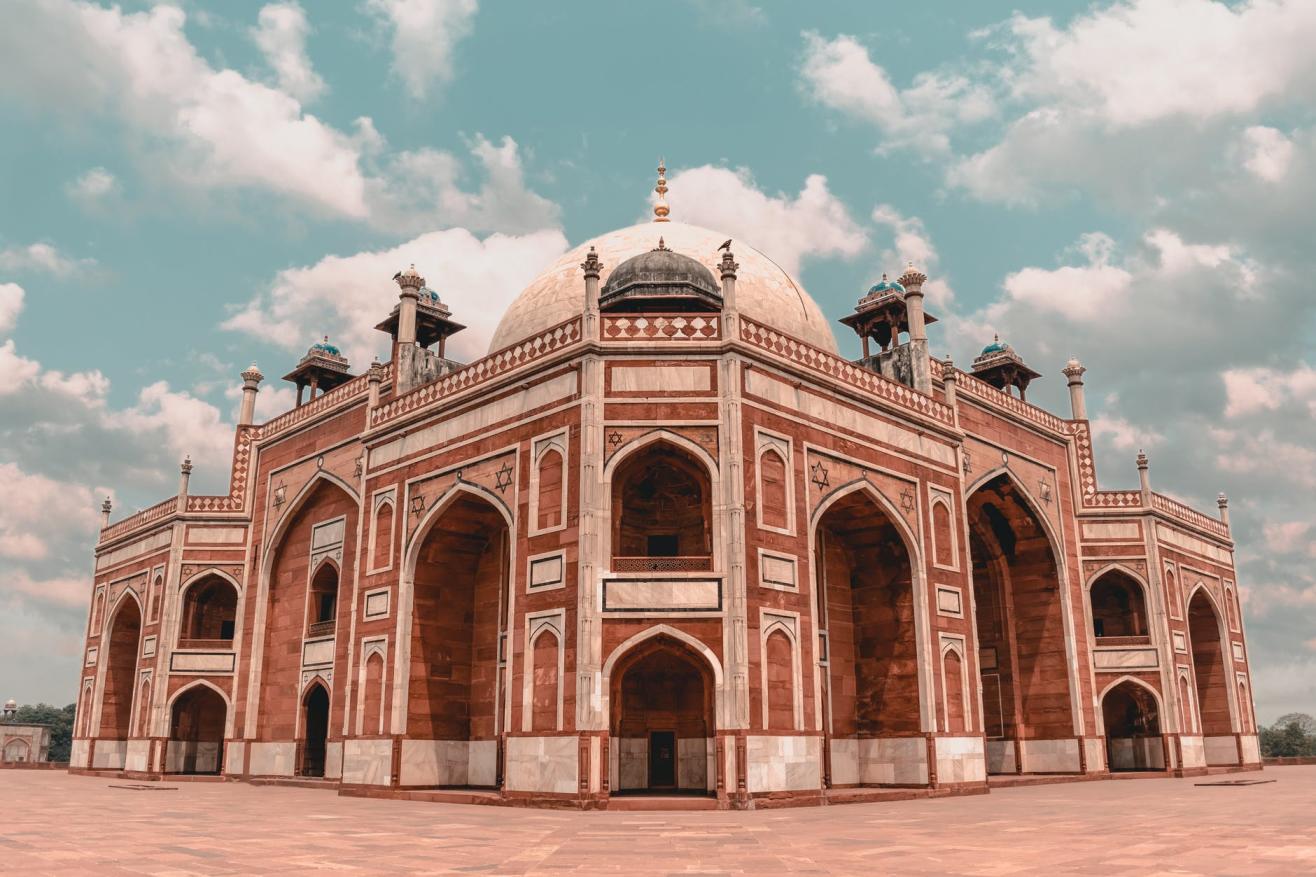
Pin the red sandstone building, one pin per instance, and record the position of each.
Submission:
(663, 537)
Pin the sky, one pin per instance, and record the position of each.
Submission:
(191, 187)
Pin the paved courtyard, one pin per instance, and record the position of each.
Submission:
(57, 824)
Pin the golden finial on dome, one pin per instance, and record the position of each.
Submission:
(660, 208)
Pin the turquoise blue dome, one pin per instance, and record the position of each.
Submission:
(996, 346)
(426, 291)
(325, 347)
(886, 286)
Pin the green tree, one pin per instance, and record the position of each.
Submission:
(1292, 736)
(59, 720)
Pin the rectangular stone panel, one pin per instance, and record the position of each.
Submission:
(649, 378)
(1180, 642)
(327, 535)
(542, 764)
(132, 549)
(201, 662)
(1171, 536)
(317, 652)
(148, 647)
(777, 571)
(949, 600)
(1123, 659)
(215, 535)
(546, 571)
(1114, 530)
(377, 603)
(671, 595)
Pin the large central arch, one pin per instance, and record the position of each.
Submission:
(1023, 633)
(662, 704)
(123, 644)
(459, 574)
(1207, 636)
(871, 617)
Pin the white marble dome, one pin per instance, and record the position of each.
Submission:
(764, 291)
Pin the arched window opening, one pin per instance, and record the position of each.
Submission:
(773, 498)
(549, 502)
(1019, 617)
(323, 609)
(373, 696)
(210, 610)
(780, 658)
(544, 688)
(1119, 611)
(458, 677)
(196, 732)
(121, 671)
(16, 751)
(381, 548)
(942, 535)
(1133, 729)
(662, 513)
(662, 724)
(157, 592)
(315, 730)
(1209, 668)
(1172, 593)
(866, 597)
(953, 678)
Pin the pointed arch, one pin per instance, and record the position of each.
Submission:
(1031, 502)
(435, 512)
(1217, 711)
(1134, 739)
(199, 683)
(658, 630)
(641, 442)
(120, 654)
(1142, 619)
(295, 506)
(907, 534)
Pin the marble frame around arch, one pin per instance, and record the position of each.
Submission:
(102, 662)
(400, 688)
(691, 642)
(918, 582)
(1057, 546)
(1226, 659)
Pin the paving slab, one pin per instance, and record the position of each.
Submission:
(54, 823)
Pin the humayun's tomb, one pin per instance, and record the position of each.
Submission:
(663, 538)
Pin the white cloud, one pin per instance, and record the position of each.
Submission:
(345, 296)
(1268, 153)
(813, 224)
(41, 257)
(1087, 292)
(1250, 390)
(281, 36)
(1123, 435)
(424, 35)
(93, 186)
(36, 510)
(839, 73)
(1139, 61)
(421, 189)
(11, 305)
(911, 243)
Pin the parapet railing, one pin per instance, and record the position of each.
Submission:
(1176, 509)
(661, 327)
(140, 519)
(980, 389)
(496, 363)
(834, 366)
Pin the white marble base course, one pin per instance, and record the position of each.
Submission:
(367, 762)
(1141, 753)
(1194, 751)
(961, 760)
(110, 755)
(1096, 754)
(692, 763)
(235, 760)
(542, 764)
(273, 759)
(898, 761)
(1050, 756)
(139, 756)
(78, 753)
(1251, 749)
(845, 761)
(630, 763)
(783, 764)
(1000, 757)
(333, 760)
(435, 763)
(1219, 750)
(179, 753)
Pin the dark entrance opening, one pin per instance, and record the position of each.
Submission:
(317, 731)
(662, 759)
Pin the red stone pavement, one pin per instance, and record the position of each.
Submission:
(58, 824)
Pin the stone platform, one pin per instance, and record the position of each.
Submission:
(61, 824)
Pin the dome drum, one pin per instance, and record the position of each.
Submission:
(660, 279)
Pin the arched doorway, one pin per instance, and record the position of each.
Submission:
(315, 730)
(1119, 610)
(662, 720)
(322, 603)
(661, 512)
(210, 610)
(1021, 630)
(867, 614)
(196, 732)
(120, 655)
(1133, 728)
(321, 525)
(458, 643)
(16, 751)
(1209, 672)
